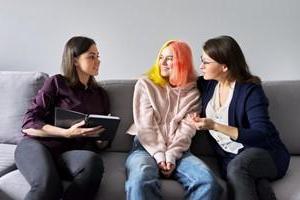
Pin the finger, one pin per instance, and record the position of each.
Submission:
(96, 128)
(101, 130)
(166, 173)
(162, 165)
(94, 132)
(195, 115)
(168, 166)
(79, 124)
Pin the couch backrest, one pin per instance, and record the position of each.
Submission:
(120, 94)
(284, 98)
(17, 90)
(284, 112)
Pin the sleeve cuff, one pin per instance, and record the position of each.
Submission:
(34, 125)
(170, 158)
(159, 157)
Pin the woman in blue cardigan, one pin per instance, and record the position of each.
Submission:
(235, 113)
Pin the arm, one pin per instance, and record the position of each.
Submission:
(185, 131)
(42, 108)
(74, 131)
(207, 123)
(259, 125)
(148, 131)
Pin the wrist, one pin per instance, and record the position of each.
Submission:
(215, 126)
(66, 133)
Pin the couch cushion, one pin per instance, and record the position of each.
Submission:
(288, 186)
(120, 94)
(13, 186)
(7, 162)
(17, 90)
(284, 110)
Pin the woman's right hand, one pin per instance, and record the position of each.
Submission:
(77, 131)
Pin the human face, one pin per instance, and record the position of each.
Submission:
(166, 62)
(87, 64)
(212, 69)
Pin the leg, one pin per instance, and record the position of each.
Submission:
(265, 190)
(142, 176)
(37, 166)
(196, 178)
(251, 165)
(84, 169)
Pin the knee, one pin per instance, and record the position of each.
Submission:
(236, 167)
(209, 181)
(143, 173)
(48, 185)
(95, 166)
(214, 186)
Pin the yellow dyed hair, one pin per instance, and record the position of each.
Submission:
(183, 69)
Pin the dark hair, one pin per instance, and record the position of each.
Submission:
(225, 50)
(73, 49)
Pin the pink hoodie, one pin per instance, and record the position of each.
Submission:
(159, 114)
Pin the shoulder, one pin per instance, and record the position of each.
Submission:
(53, 83)
(144, 82)
(100, 90)
(251, 92)
(248, 88)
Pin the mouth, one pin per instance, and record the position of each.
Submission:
(166, 68)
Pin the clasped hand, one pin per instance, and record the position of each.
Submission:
(78, 131)
(200, 123)
(166, 168)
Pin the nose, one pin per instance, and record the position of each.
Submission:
(201, 65)
(164, 61)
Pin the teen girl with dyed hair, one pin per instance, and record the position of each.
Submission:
(161, 101)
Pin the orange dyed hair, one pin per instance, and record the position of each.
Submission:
(183, 70)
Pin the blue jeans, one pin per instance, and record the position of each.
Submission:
(143, 176)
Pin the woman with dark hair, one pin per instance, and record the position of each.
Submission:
(235, 114)
(161, 101)
(49, 154)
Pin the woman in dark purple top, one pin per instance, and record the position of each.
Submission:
(49, 154)
(235, 113)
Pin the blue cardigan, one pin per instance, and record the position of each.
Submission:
(248, 111)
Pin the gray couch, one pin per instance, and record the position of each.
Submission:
(18, 88)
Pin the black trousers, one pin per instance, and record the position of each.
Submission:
(45, 173)
(249, 173)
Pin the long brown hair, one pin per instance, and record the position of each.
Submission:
(73, 49)
(225, 50)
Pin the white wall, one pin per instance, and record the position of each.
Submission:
(129, 33)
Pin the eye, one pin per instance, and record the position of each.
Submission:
(93, 57)
(170, 58)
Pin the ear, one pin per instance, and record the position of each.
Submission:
(76, 62)
(224, 68)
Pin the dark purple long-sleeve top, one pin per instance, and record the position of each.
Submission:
(57, 93)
